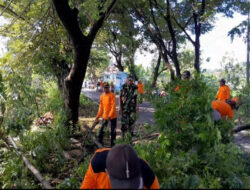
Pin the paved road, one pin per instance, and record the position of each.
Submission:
(146, 111)
(243, 140)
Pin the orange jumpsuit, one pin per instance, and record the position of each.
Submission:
(97, 178)
(223, 108)
(140, 88)
(107, 106)
(223, 93)
(177, 88)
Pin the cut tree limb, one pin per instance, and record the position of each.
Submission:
(241, 128)
(99, 145)
(147, 137)
(36, 173)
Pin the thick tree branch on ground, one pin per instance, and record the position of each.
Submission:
(146, 137)
(241, 128)
(35, 172)
(99, 145)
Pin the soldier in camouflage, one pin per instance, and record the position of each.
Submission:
(128, 105)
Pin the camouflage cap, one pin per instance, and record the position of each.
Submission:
(106, 85)
(130, 77)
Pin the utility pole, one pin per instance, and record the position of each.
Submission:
(248, 47)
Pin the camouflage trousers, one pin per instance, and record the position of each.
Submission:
(128, 119)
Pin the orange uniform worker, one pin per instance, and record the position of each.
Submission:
(140, 87)
(107, 110)
(119, 168)
(177, 88)
(224, 91)
(223, 108)
(101, 84)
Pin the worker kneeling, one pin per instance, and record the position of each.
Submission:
(224, 109)
(119, 168)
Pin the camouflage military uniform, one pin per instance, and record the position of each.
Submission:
(128, 101)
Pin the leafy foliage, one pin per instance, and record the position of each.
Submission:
(98, 62)
(244, 109)
(13, 174)
(192, 151)
(234, 73)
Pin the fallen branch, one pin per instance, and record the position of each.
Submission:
(147, 137)
(5, 144)
(99, 145)
(36, 173)
(241, 128)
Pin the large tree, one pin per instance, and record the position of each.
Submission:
(82, 45)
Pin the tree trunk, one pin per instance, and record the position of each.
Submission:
(73, 82)
(132, 69)
(165, 58)
(248, 47)
(197, 44)
(197, 24)
(118, 65)
(156, 71)
(174, 41)
(197, 56)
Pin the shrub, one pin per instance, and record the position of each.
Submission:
(244, 109)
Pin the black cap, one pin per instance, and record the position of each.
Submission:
(223, 80)
(123, 167)
(186, 74)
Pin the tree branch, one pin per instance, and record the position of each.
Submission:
(241, 128)
(164, 69)
(98, 24)
(69, 20)
(154, 20)
(184, 30)
(17, 17)
(9, 11)
(203, 8)
(35, 172)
